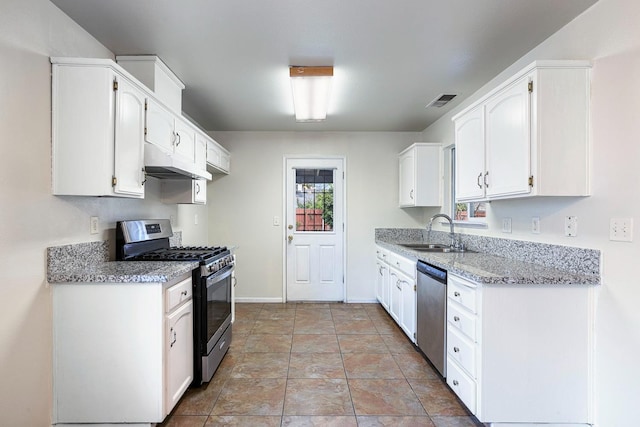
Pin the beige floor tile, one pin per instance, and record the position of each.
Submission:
(387, 327)
(384, 397)
(251, 396)
(314, 306)
(231, 359)
(456, 422)
(362, 344)
(271, 314)
(387, 421)
(304, 343)
(269, 326)
(244, 420)
(371, 365)
(314, 327)
(436, 398)
(313, 315)
(398, 343)
(184, 421)
(262, 365)
(200, 401)
(268, 343)
(243, 326)
(280, 306)
(358, 326)
(349, 314)
(413, 365)
(317, 397)
(238, 341)
(319, 421)
(316, 365)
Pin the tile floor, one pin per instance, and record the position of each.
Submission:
(320, 365)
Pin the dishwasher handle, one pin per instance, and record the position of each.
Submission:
(434, 272)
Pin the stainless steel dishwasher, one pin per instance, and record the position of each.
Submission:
(431, 333)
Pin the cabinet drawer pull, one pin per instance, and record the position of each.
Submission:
(411, 194)
(456, 350)
(478, 180)
(175, 337)
(486, 184)
(456, 319)
(184, 293)
(455, 382)
(456, 294)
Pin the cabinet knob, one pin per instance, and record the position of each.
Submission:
(456, 294)
(455, 382)
(183, 293)
(456, 350)
(456, 319)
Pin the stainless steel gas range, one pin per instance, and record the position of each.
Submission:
(148, 240)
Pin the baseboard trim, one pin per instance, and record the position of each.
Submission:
(258, 300)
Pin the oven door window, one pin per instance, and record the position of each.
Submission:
(218, 301)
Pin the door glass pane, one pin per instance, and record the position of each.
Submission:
(314, 199)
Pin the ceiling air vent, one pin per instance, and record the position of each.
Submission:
(441, 100)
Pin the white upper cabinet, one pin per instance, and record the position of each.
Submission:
(470, 169)
(97, 130)
(160, 127)
(528, 137)
(420, 175)
(185, 144)
(218, 157)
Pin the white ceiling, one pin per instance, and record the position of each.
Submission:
(391, 57)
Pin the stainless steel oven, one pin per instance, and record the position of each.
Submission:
(148, 240)
(213, 326)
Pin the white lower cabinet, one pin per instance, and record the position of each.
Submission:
(396, 288)
(122, 352)
(521, 354)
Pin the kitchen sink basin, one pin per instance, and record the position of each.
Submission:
(430, 247)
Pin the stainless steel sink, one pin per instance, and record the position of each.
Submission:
(430, 247)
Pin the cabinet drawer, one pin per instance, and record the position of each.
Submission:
(462, 320)
(462, 292)
(402, 264)
(462, 351)
(177, 294)
(462, 385)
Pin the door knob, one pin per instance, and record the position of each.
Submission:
(290, 227)
(290, 238)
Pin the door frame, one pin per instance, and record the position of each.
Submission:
(343, 159)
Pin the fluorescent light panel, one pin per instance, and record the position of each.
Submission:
(311, 87)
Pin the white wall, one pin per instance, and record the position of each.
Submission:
(609, 35)
(243, 204)
(31, 219)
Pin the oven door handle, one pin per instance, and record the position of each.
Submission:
(220, 275)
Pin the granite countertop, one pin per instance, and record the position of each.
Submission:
(122, 272)
(485, 268)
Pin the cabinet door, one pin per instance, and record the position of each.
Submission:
(469, 137)
(200, 191)
(408, 319)
(179, 354)
(129, 140)
(508, 141)
(160, 125)
(407, 179)
(382, 288)
(185, 142)
(395, 295)
(201, 152)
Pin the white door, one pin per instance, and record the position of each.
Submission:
(315, 229)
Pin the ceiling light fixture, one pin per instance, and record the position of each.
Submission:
(310, 87)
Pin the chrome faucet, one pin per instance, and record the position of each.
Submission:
(448, 218)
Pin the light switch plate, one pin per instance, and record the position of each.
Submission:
(571, 226)
(93, 225)
(506, 225)
(621, 229)
(535, 225)
(276, 221)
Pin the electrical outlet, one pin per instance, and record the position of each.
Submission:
(535, 225)
(93, 225)
(621, 229)
(195, 219)
(571, 226)
(506, 225)
(276, 221)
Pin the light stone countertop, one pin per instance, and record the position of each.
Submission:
(123, 272)
(485, 268)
